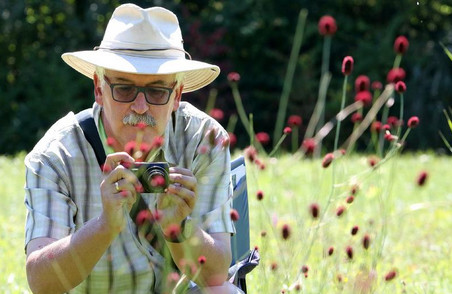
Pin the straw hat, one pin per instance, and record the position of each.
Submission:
(143, 41)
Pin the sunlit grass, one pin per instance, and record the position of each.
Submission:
(409, 225)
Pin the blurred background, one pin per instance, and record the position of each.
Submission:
(251, 37)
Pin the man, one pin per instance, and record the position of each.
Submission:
(79, 235)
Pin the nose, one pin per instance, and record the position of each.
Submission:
(140, 105)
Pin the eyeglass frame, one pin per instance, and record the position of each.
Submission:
(139, 90)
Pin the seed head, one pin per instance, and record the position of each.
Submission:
(362, 83)
(234, 215)
(217, 113)
(340, 210)
(349, 251)
(309, 145)
(356, 117)
(260, 195)
(287, 130)
(366, 241)
(233, 77)
(354, 230)
(202, 260)
(330, 251)
(395, 75)
(422, 178)
(365, 97)
(263, 138)
(350, 199)
(327, 159)
(294, 120)
(314, 209)
(285, 231)
(400, 87)
(390, 275)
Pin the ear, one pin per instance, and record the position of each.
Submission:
(178, 97)
(97, 89)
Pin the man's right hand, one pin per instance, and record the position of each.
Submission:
(118, 190)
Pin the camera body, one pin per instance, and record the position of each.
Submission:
(153, 176)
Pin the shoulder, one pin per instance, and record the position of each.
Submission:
(196, 119)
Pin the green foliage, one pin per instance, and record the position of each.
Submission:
(253, 38)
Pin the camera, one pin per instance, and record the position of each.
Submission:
(153, 176)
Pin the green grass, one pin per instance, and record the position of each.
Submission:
(409, 225)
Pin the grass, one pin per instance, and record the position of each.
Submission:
(408, 224)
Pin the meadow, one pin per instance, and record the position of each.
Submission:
(407, 225)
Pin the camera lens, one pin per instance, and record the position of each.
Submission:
(156, 176)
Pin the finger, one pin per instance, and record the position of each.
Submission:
(178, 191)
(119, 173)
(115, 159)
(183, 177)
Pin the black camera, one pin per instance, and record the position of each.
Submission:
(154, 176)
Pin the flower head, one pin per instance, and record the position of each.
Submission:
(350, 199)
(294, 120)
(263, 138)
(285, 231)
(172, 231)
(309, 145)
(366, 241)
(327, 159)
(365, 97)
(314, 209)
(356, 117)
(287, 130)
(413, 122)
(232, 139)
(401, 45)
(250, 153)
(234, 215)
(349, 251)
(340, 210)
(330, 250)
(354, 230)
(422, 178)
(260, 195)
(217, 113)
(304, 269)
(327, 25)
(347, 65)
(376, 85)
(400, 87)
(362, 83)
(395, 75)
(376, 126)
(202, 260)
(390, 275)
(233, 77)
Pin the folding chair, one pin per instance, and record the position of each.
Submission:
(243, 260)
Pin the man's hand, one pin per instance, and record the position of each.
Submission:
(118, 190)
(180, 197)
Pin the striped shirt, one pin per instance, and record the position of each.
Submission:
(62, 192)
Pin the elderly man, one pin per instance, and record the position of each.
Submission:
(79, 234)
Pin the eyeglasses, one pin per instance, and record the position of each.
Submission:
(126, 93)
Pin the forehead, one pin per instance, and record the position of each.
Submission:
(117, 76)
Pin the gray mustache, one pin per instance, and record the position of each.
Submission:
(133, 119)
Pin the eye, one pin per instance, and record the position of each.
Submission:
(124, 90)
(156, 94)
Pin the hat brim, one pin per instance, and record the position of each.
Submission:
(197, 74)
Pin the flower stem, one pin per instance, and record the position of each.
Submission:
(287, 86)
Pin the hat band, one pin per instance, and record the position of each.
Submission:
(140, 50)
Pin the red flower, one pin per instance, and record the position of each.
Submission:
(314, 209)
(285, 231)
(340, 210)
(393, 121)
(274, 266)
(250, 153)
(366, 241)
(401, 45)
(365, 97)
(233, 77)
(304, 269)
(349, 251)
(141, 125)
(157, 142)
(172, 231)
(330, 251)
(130, 147)
(143, 217)
(390, 275)
(350, 199)
(327, 160)
(354, 230)
(354, 190)
(376, 126)
(234, 215)
(373, 161)
(376, 85)
(232, 139)
(327, 25)
(413, 122)
(362, 83)
(309, 145)
(263, 138)
(260, 195)
(356, 117)
(395, 75)
(347, 65)
(294, 120)
(287, 130)
(202, 260)
(400, 87)
(389, 137)
(421, 178)
(111, 141)
(158, 181)
(217, 113)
